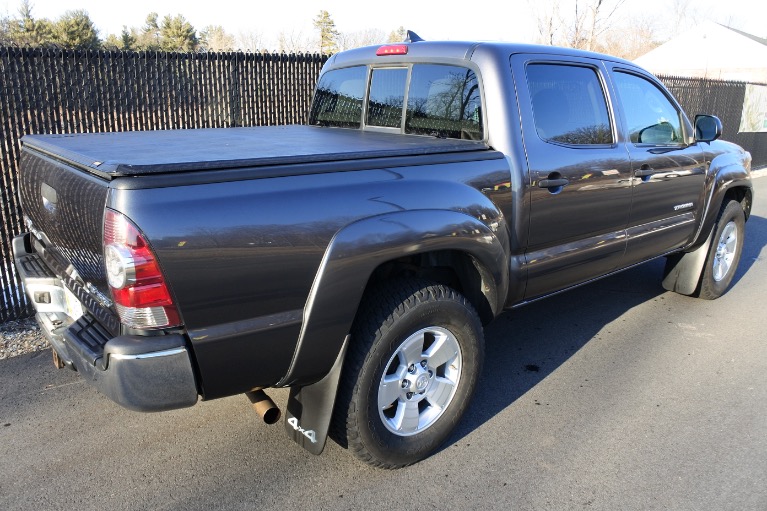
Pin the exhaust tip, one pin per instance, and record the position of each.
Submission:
(264, 406)
(272, 415)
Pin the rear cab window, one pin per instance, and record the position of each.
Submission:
(386, 97)
(338, 98)
(435, 100)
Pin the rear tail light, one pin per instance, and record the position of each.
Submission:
(141, 296)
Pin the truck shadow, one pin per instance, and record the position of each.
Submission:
(756, 240)
(525, 345)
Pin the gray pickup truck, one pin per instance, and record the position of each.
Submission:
(355, 260)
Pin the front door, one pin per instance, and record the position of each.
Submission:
(668, 171)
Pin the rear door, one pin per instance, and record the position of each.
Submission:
(579, 175)
(668, 170)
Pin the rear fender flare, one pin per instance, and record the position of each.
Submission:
(357, 250)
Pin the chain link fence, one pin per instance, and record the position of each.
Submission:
(70, 91)
(723, 99)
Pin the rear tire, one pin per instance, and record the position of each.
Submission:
(724, 254)
(413, 363)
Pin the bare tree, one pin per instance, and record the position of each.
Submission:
(592, 19)
(642, 37)
(576, 27)
(685, 14)
(215, 38)
(577, 23)
(549, 22)
(295, 42)
(5, 30)
(397, 36)
(251, 41)
(371, 36)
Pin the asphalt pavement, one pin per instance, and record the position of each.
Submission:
(614, 396)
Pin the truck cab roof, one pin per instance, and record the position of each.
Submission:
(454, 50)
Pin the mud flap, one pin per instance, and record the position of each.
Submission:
(682, 272)
(310, 408)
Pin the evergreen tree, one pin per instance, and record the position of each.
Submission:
(75, 30)
(112, 43)
(26, 30)
(328, 33)
(177, 34)
(149, 36)
(127, 40)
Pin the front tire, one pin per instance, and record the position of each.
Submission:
(413, 363)
(724, 254)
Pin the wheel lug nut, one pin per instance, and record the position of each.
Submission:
(431, 374)
(409, 395)
(405, 384)
(423, 364)
(411, 369)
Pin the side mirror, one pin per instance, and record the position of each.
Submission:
(707, 128)
(661, 133)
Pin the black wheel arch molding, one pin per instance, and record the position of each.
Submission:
(357, 250)
(728, 175)
(728, 179)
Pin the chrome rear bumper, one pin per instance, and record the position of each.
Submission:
(143, 373)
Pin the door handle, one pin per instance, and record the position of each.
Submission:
(644, 171)
(553, 183)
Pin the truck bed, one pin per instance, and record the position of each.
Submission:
(115, 155)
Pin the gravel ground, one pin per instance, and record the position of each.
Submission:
(20, 337)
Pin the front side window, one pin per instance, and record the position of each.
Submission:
(651, 117)
(569, 104)
(338, 99)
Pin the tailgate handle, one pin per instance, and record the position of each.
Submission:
(50, 197)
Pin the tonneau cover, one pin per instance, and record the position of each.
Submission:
(112, 155)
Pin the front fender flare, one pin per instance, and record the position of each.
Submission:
(357, 250)
(683, 270)
(729, 172)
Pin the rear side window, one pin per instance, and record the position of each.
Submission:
(569, 104)
(444, 101)
(338, 99)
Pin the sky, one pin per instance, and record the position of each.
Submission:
(506, 20)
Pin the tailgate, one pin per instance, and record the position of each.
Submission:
(64, 209)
